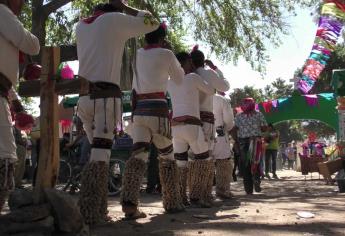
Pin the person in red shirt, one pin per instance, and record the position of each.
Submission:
(248, 135)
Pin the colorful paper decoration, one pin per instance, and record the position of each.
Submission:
(331, 23)
(65, 71)
(65, 125)
(267, 106)
(311, 100)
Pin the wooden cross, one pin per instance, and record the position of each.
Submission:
(294, 81)
(48, 89)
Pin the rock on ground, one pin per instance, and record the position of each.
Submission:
(20, 198)
(65, 210)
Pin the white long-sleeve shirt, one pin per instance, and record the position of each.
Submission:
(217, 81)
(154, 68)
(185, 96)
(100, 45)
(14, 38)
(223, 112)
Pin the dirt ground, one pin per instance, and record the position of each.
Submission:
(272, 212)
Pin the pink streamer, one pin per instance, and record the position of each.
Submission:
(312, 100)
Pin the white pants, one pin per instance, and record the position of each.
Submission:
(102, 112)
(147, 129)
(7, 142)
(222, 148)
(185, 136)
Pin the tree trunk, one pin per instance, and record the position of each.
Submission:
(127, 61)
(38, 28)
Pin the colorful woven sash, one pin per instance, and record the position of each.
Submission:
(151, 108)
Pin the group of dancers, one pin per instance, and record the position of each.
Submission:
(192, 138)
(186, 142)
(189, 152)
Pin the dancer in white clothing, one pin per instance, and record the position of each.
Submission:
(13, 39)
(224, 122)
(214, 77)
(100, 43)
(153, 67)
(186, 126)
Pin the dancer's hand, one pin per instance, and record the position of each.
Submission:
(210, 64)
(119, 4)
(123, 7)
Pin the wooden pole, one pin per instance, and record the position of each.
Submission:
(48, 163)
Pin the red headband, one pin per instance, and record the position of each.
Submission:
(196, 47)
(248, 105)
(164, 26)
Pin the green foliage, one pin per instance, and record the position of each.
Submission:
(321, 129)
(239, 28)
(60, 29)
(26, 15)
(28, 103)
(281, 89)
(59, 24)
(290, 131)
(239, 94)
(277, 89)
(84, 7)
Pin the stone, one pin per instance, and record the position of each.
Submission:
(27, 214)
(85, 231)
(65, 211)
(43, 226)
(20, 198)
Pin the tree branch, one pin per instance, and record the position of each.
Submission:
(37, 3)
(53, 5)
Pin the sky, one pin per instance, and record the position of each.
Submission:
(284, 60)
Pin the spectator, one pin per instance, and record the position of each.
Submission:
(248, 133)
(80, 143)
(272, 142)
(283, 154)
(21, 154)
(291, 155)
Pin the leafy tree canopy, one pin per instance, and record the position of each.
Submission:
(231, 28)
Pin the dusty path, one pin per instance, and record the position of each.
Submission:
(272, 212)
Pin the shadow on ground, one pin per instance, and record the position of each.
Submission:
(272, 212)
